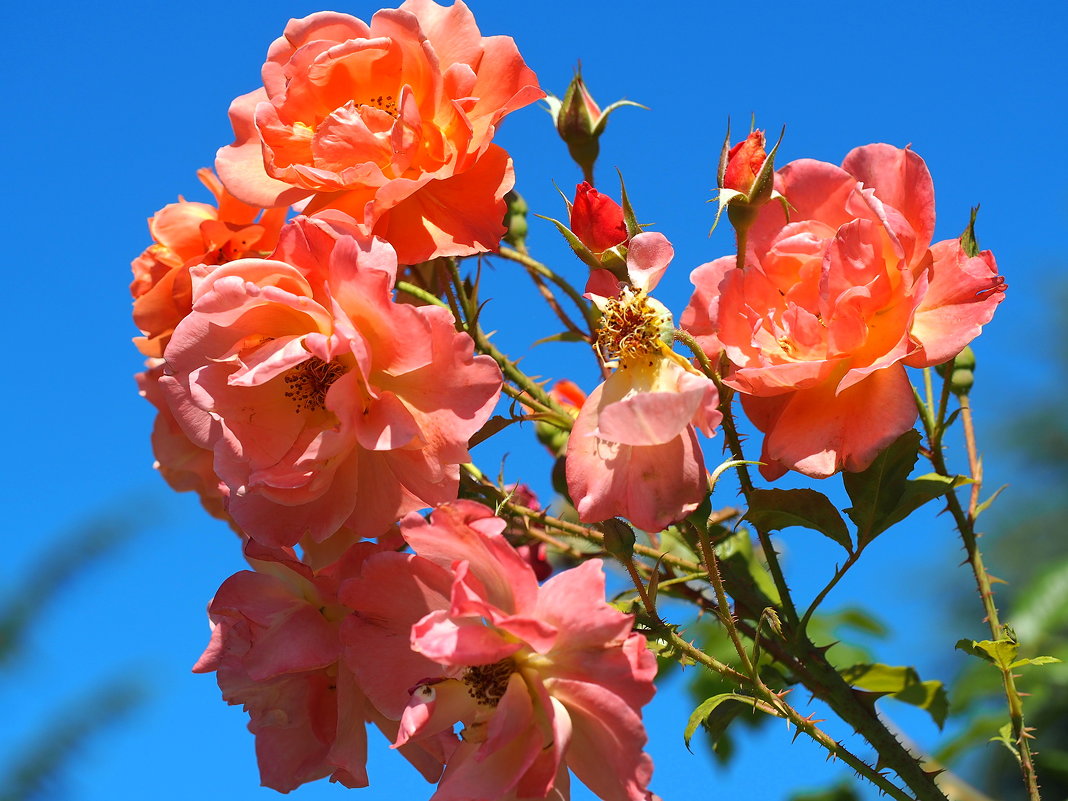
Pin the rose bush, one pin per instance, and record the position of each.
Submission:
(390, 122)
(834, 302)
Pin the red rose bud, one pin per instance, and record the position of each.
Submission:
(743, 164)
(597, 220)
(746, 179)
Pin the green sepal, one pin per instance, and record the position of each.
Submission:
(580, 249)
(776, 509)
(633, 228)
(602, 121)
(968, 242)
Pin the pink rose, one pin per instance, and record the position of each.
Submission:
(184, 466)
(325, 403)
(390, 122)
(275, 649)
(633, 450)
(833, 304)
(541, 679)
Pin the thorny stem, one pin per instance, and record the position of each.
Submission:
(841, 571)
(592, 535)
(550, 299)
(810, 664)
(527, 386)
(965, 521)
(734, 443)
(708, 556)
(780, 707)
(537, 267)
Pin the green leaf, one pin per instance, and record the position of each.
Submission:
(876, 491)
(563, 336)
(998, 652)
(711, 714)
(1004, 737)
(986, 504)
(883, 495)
(902, 683)
(1037, 660)
(776, 509)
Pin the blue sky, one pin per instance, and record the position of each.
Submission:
(112, 109)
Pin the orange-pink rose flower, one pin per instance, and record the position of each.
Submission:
(184, 234)
(325, 403)
(390, 122)
(835, 302)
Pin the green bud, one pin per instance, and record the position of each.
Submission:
(515, 219)
(618, 538)
(961, 382)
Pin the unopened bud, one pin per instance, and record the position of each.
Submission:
(959, 371)
(618, 538)
(597, 220)
(515, 220)
(746, 177)
(580, 122)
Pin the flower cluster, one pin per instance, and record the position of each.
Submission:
(314, 409)
(327, 411)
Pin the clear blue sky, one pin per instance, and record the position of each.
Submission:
(111, 109)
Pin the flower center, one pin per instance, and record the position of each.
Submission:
(631, 326)
(308, 382)
(384, 102)
(487, 683)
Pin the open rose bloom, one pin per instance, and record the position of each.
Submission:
(390, 122)
(832, 305)
(633, 451)
(325, 403)
(539, 679)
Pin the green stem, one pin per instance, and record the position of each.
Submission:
(848, 563)
(422, 294)
(965, 522)
(803, 724)
(536, 266)
(528, 386)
